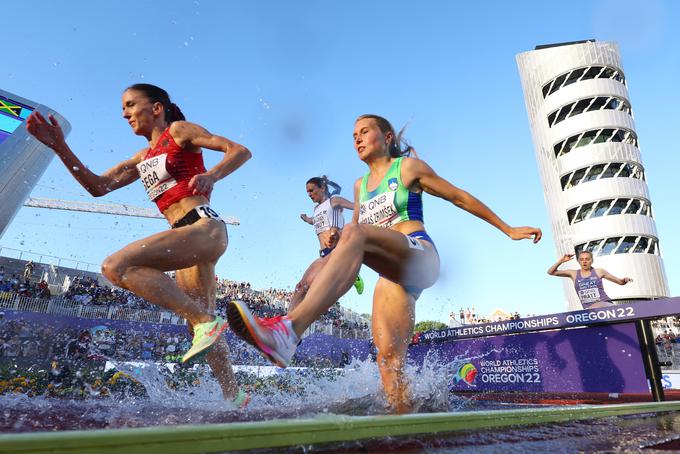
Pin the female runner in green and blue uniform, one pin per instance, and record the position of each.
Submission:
(388, 235)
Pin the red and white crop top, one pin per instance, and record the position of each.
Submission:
(167, 169)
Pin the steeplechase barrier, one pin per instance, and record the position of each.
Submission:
(290, 433)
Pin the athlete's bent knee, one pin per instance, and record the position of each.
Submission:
(302, 287)
(352, 232)
(390, 360)
(113, 269)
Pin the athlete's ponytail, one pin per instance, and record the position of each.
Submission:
(323, 182)
(174, 113)
(395, 146)
(157, 94)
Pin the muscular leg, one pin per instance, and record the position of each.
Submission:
(140, 266)
(392, 324)
(386, 251)
(390, 254)
(198, 282)
(306, 281)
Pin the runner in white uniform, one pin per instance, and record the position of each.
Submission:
(328, 221)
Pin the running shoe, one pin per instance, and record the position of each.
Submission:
(205, 336)
(274, 336)
(242, 399)
(359, 285)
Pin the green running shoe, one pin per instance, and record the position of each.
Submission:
(205, 335)
(359, 284)
(242, 399)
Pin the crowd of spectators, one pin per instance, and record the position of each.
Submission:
(24, 287)
(666, 338)
(470, 317)
(87, 291)
(667, 330)
(272, 302)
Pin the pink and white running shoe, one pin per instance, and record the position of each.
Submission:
(274, 336)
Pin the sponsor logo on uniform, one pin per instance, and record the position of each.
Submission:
(413, 243)
(393, 184)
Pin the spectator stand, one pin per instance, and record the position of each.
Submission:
(55, 271)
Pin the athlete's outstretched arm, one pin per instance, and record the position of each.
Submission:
(51, 134)
(553, 271)
(604, 274)
(341, 202)
(188, 135)
(306, 218)
(433, 184)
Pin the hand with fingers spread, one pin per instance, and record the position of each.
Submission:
(49, 133)
(201, 184)
(525, 233)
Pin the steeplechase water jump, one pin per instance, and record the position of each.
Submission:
(157, 350)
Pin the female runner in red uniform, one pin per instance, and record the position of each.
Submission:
(171, 168)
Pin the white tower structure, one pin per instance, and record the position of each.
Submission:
(590, 163)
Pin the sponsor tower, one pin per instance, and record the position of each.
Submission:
(590, 163)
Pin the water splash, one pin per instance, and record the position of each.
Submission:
(190, 395)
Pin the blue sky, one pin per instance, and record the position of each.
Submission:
(287, 79)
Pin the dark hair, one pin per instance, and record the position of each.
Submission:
(323, 182)
(157, 94)
(385, 126)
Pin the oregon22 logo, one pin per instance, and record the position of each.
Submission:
(467, 373)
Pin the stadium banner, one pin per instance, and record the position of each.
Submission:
(670, 379)
(592, 359)
(613, 314)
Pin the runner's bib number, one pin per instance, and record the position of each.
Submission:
(155, 177)
(321, 223)
(379, 211)
(589, 295)
(205, 211)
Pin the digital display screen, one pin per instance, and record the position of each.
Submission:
(12, 114)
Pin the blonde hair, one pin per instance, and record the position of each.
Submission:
(395, 147)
